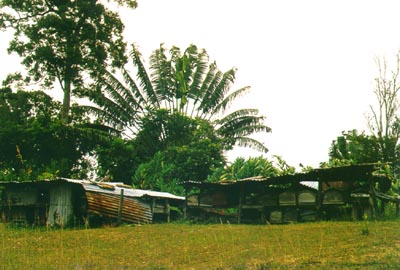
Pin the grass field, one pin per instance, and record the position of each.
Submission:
(327, 245)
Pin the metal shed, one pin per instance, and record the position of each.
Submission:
(66, 202)
(295, 197)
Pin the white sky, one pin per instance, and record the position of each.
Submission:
(310, 63)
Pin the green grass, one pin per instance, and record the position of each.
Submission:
(327, 245)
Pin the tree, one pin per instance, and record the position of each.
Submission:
(183, 82)
(33, 141)
(384, 122)
(175, 148)
(117, 160)
(169, 148)
(356, 148)
(64, 40)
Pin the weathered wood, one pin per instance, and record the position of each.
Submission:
(167, 210)
(276, 216)
(60, 206)
(287, 198)
(319, 203)
(121, 201)
(372, 199)
(185, 205)
(240, 206)
(307, 197)
(308, 215)
(290, 215)
(267, 200)
(262, 217)
(332, 197)
(153, 205)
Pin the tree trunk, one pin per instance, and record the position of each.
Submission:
(66, 100)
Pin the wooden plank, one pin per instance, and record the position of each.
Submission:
(121, 201)
(332, 197)
(307, 197)
(287, 198)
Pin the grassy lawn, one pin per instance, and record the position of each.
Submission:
(327, 245)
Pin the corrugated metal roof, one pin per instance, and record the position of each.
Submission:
(344, 173)
(108, 187)
(310, 184)
(116, 187)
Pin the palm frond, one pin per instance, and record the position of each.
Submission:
(134, 95)
(161, 75)
(199, 73)
(236, 114)
(242, 122)
(207, 98)
(246, 130)
(118, 92)
(126, 114)
(251, 143)
(218, 93)
(222, 106)
(178, 82)
(143, 77)
(105, 117)
(100, 131)
(212, 70)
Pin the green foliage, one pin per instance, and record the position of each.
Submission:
(116, 160)
(283, 167)
(182, 82)
(64, 40)
(242, 168)
(172, 113)
(175, 148)
(156, 174)
(355, 148)
(34, 143)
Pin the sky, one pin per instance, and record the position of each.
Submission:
(310, 63)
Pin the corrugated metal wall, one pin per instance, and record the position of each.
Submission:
(133, 210)
(60, 209)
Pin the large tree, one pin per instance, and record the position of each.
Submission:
(33, 141)
(64, 40)
(183, 82)
(383, 121)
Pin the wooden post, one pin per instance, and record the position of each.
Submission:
(354, 212)
(319, 200)
(263, 218)
(240, 206)
(185, 206)
(372, 198)
(153, 206)
(167, 210)
(121, 200)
